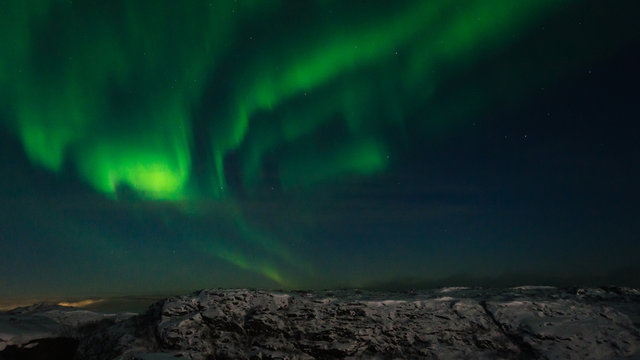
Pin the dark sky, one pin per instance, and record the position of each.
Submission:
(298, 144)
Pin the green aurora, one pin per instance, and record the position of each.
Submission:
(187, 104)
(112, 88)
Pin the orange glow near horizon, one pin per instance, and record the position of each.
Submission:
(81, 303)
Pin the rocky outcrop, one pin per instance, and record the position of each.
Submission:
(517, 323)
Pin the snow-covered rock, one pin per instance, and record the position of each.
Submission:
(524, 322)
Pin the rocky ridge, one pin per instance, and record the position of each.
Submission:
(515, 323)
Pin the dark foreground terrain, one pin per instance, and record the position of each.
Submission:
(449, 323)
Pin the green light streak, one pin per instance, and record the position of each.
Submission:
(360, 157)
(235, 256)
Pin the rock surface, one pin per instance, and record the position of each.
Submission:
(516, 323)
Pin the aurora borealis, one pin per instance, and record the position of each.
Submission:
(153, 147)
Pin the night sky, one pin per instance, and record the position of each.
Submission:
(150, 147)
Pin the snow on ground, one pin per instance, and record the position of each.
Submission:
(523, 322)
